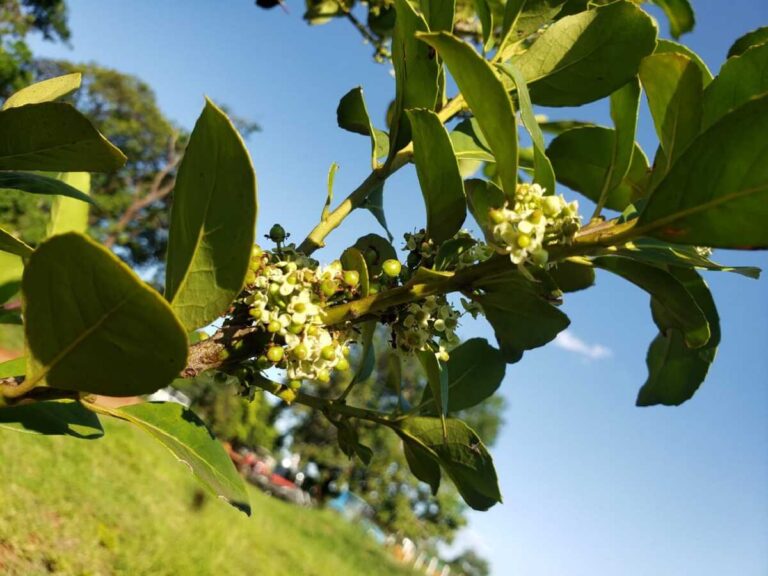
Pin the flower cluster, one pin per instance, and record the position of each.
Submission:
(534, 220)
(286, 300)
(427, 325)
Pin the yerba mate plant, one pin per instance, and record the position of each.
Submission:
(286, 322)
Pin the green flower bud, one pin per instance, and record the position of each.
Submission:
(328, 353)
(323, 376)
(342, 364)
(275, 354)
(540, 257)
(301, 352)
(351, 278)
(496, 215)
(262, 363)
(296, 328)
(294, 384)
(392, 267)
(274, 326)
(277, 233)
(329, 288)
(523, 240)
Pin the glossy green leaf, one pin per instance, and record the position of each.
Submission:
(329, 196)
(422, 464)
(543, 174)
(675, 371)
(572, 275)
(39, 184)
(665, 46)
(519, 313)
(52, 417)
(680, 16)
(469, 143)
(661, 253)
(416, 72)
(625, 104)
(740, 79)
(92, 325)
(438, 14)
(12, 245)
(13, 367)
(188, 439)
(213, 221)
(487, 23)
(717, 192)
(68, 214)
(54, 136)
(524, 17)
(11, 269)
(44, 91)
(461, 454)
(487, 98)
(681, 310)
(753, 38)
(439, 177)
(582, 159)
(672, 83)
(374, 203)
(482, 195)
(587, 56)
(475, 372)
(352, 115)
(437, 381)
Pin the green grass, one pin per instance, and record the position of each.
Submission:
(123, 505)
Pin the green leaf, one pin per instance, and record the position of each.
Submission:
(475, 371)
(680, 16)
(188, 439)
(329, 196)
(12, 245)
(367, 353)
(376, 251)
(572, 275)
(487, 98)
(625, 104)
(717, 192)
(524, 17)
(482, 196)
(39, 184)
(14, 367)
(469, 143)
(44, 91)
(416, 72)
(52, 417)
(587, 56)
(92, 325)
(349, 441)
(422, 464)
(352, 115)
(675, 371)
(213, 221)
(740, 79)
(665, 46)
(68, 214)
(521, 317)
(374, 203)
(661, 253)
(353, 259)
(437, 380)
(485, 16)
(753, 38)
(673, 85)
(54, 136)
(438, 14)
(582, 159)
(439, 176)
(543, 174)
(450, 252)
(681, 311)
(11, 269)
(461, 454)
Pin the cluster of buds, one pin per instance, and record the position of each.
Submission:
(286, 300)
(421, 249)
(427, 325)
(522, 229)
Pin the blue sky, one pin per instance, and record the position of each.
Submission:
(592, 485)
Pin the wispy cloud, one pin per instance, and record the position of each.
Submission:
(567, 341)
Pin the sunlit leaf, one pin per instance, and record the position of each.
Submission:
(44, 91)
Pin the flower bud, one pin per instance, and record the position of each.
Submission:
(392, 267)
(275, 354)
(351, 278)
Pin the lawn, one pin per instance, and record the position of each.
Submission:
(123, 505)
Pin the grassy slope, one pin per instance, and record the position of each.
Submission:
(124, 505)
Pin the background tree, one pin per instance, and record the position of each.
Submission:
(403, 505)
(18, 19)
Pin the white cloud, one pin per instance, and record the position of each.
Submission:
(567, 341)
